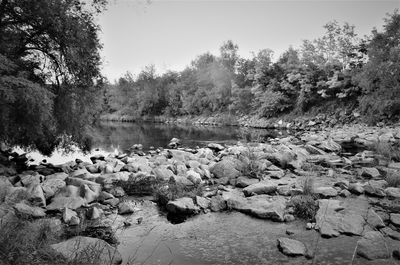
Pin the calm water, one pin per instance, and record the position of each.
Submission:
(116, 137)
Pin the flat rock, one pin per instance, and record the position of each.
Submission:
(260, 206)
(26, 211)
(372, 246)
(243, 182)
(262, 187)
(326, 192)
(370, 172)
(375, 188)
(391, 233)
(291, 247)
(392, 192)
(73, 247)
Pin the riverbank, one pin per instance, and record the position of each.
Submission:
(315, 120)
(331, 185)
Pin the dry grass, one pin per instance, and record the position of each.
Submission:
(250, 165)
(305, 205)
(25, 242)
(388, 150)
(308, 186)
(393, 179)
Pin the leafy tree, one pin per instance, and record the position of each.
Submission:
(332, 49)
(49, 70)
(380, 77)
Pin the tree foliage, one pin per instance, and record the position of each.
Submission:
(49, 69)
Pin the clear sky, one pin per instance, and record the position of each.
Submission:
(169, 34)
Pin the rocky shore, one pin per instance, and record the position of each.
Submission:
(342, 181)
(294, 122)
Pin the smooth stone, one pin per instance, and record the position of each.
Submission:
(263, 187)
(291, 247)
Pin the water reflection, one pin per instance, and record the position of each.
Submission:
(111, 135)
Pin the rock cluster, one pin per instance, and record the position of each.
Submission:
(353, 189)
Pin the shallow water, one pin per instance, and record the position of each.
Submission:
(225, 238)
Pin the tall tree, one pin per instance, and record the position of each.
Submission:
(49, 69)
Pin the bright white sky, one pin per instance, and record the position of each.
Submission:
(169, 34)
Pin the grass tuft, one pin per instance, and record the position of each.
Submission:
(305, 205)
(393, 179)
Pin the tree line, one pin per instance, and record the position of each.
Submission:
(338, 66)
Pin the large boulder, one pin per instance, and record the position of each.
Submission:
(77, 248)
(69, 197)
(372, 246)
(183, 206)
(375, 188)
(291, 247)
(193, 176)
(163, 172)
(262, 187)
(331, 220)
(225, 168)
(260, 206)
(392, 192)
(326, 192)
(51, 186)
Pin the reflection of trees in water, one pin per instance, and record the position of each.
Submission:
(109, 135)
